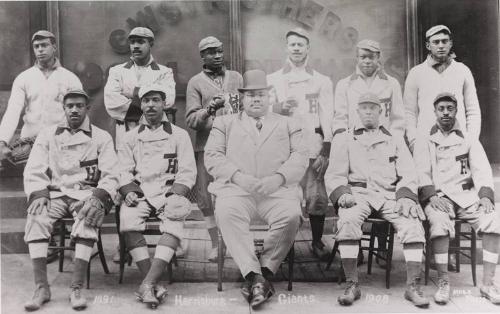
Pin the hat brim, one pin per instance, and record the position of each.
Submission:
(296, 34)
(140, 36)
(370, 102)
(152, 91)
(443, 98)
(254, 87)
(211, 46)
(68, 95)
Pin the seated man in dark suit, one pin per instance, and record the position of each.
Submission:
(256, 163)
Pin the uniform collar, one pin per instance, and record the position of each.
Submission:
(56, 64)
(85, 127)
(456, 129)
(290, 66)
(361, 129)
(434, 63)
(167, 126)
(211, 73)
(152, 63)
(379, 72)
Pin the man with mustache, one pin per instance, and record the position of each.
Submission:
(257, 161)
(372, 171)
(456, 181)
(438, 73)
(71, 171)
(157, 170)
(212, 92)
(39, 91)
(121, 91)
(307, 95)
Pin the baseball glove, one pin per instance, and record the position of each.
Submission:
(93, 212)
(177, 208)
(21, 149)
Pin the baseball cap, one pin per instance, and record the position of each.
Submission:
(209, 42)
(76, 92)
(436, 29)
(299, 32)
(151, 88)
(42, 34)
(445, 96)
(369, 98)
(141, 32)
(369, 44)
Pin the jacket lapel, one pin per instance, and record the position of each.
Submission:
(244, 123)
(268, 126)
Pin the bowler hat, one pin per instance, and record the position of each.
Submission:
(254, 80)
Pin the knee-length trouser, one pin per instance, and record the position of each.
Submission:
(442, 225)
(409, 229)
(39, 227)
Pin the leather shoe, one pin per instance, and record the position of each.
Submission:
(261, 292)
(40, 297)
(246, 290)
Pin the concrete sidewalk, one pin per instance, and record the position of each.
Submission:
(107, 296)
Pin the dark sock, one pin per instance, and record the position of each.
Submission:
(350, 269)
(413, 271)
(214, 236)
(440, 245)
(317, 224)
(267, 273)
(144, 266)
(157, 267)
(40, 271)
(79, 273)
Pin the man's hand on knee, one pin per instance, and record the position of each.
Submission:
(440, 203)
(93, 212)
(346, 200)
(131, 199)
(409, 208)
(486, 205)
(38, 206)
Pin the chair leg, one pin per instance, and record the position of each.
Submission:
(458, 232)
(170, 278)
(220, 260)
(389, 257)
(371, 248)
(332, 256)
(100, 250)
(428, 252)
(62, 242)
(88, 274)
(291, 258)
(473, 255)
(123, 253)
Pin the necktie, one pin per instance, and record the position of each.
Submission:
(258, 124)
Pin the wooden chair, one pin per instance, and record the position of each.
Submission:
(384, 229)
(455, 248)
(60, 230)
